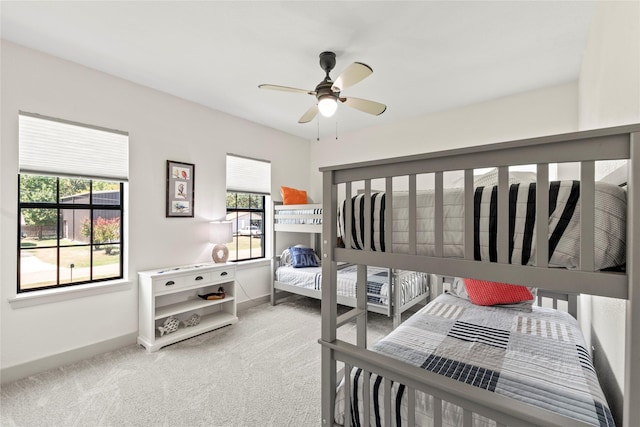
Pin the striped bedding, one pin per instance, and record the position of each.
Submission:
(537, 357)
(303, 219)
(564, 223)
(412, 285)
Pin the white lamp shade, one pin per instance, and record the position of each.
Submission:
(327, 105)
(220, 232)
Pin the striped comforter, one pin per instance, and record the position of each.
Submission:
(412, 284)
(537, 357)
(564, 223)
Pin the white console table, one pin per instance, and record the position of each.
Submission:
(173, 291)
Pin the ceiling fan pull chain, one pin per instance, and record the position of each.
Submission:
(336, 129)
(318, 121)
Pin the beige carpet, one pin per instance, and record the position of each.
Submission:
(262, 371)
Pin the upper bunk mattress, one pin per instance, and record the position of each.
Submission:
(299, 214)
(538, 357)
(564, 223)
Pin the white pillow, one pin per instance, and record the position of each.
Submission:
(458, 289)
(491, 178)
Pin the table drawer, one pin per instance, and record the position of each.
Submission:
(171, 284)
(226, 275)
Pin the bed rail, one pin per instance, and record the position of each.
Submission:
(503, 410)
(298, 218)
(583, 147)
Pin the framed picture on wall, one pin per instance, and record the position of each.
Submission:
(180, 186)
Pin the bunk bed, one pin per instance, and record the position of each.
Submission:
(393, 382)
(389, 291)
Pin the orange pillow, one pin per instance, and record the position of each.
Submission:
(292, 196)
(482, 292)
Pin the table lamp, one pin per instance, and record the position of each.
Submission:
(220, 232)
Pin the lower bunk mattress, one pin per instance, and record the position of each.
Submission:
(537, 357)
(412, 284)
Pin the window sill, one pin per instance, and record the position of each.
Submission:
(253, 263)
(48, 296)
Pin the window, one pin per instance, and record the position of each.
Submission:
(248, 188)
(70, 231)
(246, 213)
(70, 200)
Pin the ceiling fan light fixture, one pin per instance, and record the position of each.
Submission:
(327, 105)
(328, 92)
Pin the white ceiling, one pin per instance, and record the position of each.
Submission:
(426, 56)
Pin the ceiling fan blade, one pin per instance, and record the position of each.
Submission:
(352, 75)
(287, 89)
(309, 115)
(365, 105)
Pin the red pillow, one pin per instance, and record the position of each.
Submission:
(482, 292)
(293, 196)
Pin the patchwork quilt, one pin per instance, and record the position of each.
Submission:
(536, 357)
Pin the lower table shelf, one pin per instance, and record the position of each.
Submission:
(207, 323)
(189, 305)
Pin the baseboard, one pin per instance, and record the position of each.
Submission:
(245, 305)
(24, 370)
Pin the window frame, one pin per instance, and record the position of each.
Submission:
(60, 206)
(234, 219)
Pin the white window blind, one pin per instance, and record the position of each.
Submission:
(246, 175)
(62, 148)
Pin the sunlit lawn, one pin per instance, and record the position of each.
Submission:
(77, 255)
(244, 244)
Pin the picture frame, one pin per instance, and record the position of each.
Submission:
(180, 189)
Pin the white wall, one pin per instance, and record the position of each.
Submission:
(609, 95)
(161, 127)
(540, 112)
(610, 76)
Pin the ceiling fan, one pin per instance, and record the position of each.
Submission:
(328, 91)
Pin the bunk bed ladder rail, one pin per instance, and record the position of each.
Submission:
(631, 409)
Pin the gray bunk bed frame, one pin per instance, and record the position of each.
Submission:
(394, 309)
(585, 147)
